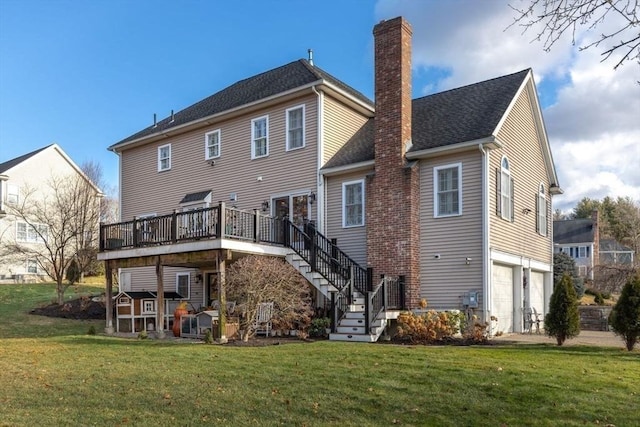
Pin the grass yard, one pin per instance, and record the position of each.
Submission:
(53, 374)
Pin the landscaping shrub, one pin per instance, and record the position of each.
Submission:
(428, 327)
(578, 285)
(319, 326)
(563, 319)
(625, 316)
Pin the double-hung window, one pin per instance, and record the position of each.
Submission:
(447, 190)
(32, 266)
(13, 195)
(353, 203)
(164, 157)
(212, 145)
(37, 233)
(260, 137)
(183, 286)
(541, 206)
(295, 128)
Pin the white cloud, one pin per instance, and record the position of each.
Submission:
(594, 123)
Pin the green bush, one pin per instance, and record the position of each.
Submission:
(598, 299)
(625, 316)
(208, 337)
(319, 327)
(578, 285)
(563, 319)
(92, 330)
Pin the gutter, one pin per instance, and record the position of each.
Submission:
(354, 167)
(489, 142)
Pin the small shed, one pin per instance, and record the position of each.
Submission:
(136, 311)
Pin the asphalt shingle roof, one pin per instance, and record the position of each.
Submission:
(458, 115)
(13, 162)
(573, 231)
(264, 85)
(195, 197)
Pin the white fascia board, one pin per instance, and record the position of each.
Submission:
(355, 167)
(489, 142)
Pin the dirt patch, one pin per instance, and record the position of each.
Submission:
(81, 308)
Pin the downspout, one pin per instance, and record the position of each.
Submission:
(486, 259)
(320, 187)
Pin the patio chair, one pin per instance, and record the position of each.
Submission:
(528, 320)
(536, 318)
(263, 318)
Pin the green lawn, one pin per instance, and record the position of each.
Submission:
(53, 374)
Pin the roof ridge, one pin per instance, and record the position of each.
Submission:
(454, 89)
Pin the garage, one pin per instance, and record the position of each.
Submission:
(536, 292)
(502, 295)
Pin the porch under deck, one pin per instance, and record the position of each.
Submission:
(206, 239)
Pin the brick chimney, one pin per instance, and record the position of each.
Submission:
(393, 190)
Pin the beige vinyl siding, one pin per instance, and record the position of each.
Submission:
(444, 280)
(145, 190)
(144, 279)
(353, 240)
(340, 124)
(522, 146)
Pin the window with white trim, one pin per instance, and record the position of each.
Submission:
(164, 157)
(148, 306)
(582, 270)
(505, 190)
(447, 190)
(353, 203)
(260, 137)
(183, 285)
(541, 207)
(212, 144)
(295, 128)
(36, 233)
(13, 194)
(582, 252)
(32, 266)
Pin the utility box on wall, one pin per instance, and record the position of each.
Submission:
(470, 299)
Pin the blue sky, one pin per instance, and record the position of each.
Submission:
(88, 74)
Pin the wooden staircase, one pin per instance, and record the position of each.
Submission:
(351, 324)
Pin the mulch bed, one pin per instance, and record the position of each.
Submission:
(81, 309)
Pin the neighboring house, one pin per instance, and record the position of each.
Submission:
(580, 239)
(448, 195)
(23, 179)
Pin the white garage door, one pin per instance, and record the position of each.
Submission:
(502, 295)
(536, 292)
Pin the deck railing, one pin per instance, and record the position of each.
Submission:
(322, 254)
(198, 224)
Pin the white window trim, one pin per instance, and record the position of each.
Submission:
(542, 211)
(160, 168)
(344, 206)
(435, 189)
(188, 284)
(38, 237)
(34, 262)
(253, 138)
(13, 194)
(124, 301)
(144, 303)
(288, 145)
(505, 208)
(206, 144)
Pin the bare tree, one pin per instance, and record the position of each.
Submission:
(62, 219)
(253, 280)
(553, 18)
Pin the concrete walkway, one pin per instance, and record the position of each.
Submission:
(599, 338)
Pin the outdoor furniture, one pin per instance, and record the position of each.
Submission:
(531, 318)
(263, 318)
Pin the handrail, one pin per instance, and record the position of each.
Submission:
(325, 257)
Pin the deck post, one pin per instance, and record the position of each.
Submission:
(174, 226)
(108, 303)
(134, 228)
(222, 297)
(160, 298)
(222, 219)
(256, 225)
